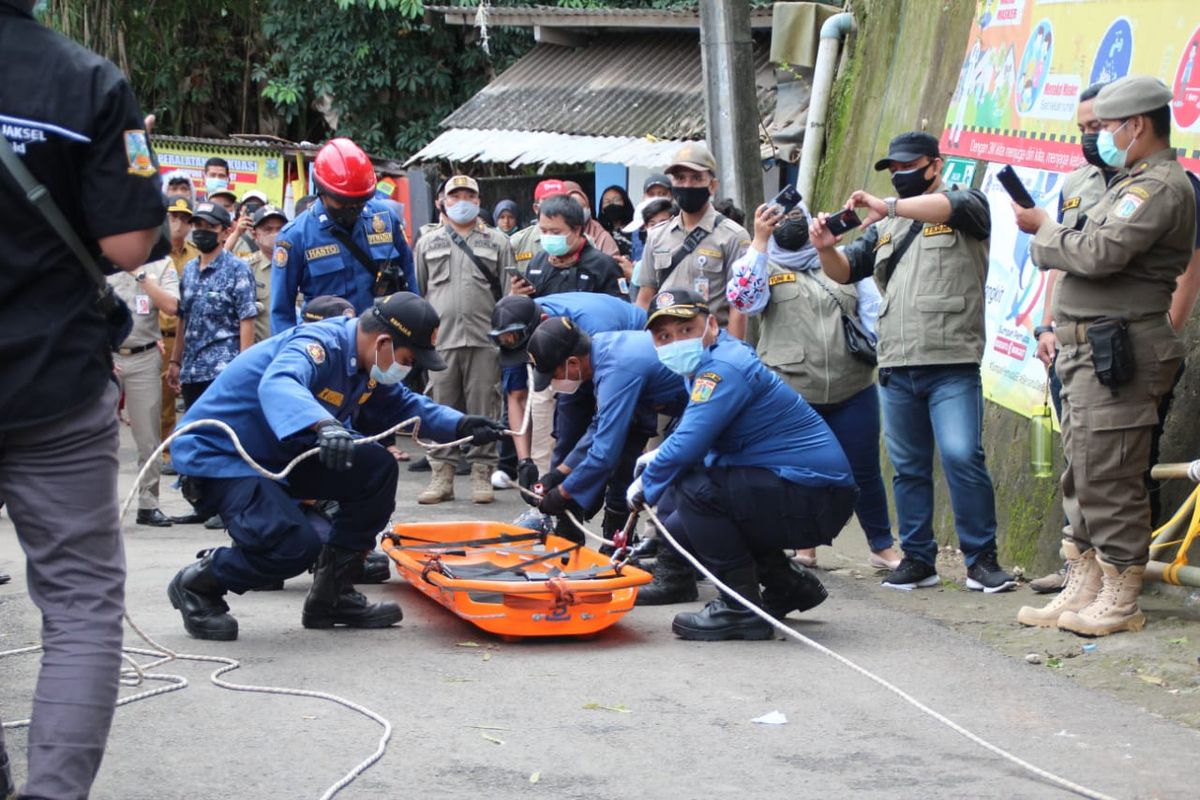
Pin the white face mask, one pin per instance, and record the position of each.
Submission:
(566, 385)
(463, 212)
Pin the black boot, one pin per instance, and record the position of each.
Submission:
(725, 618)
(332, 599)
(200, 598)
(787, 586)
(674, 581)
(377, 568)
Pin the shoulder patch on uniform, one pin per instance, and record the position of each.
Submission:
(1139, 191)
(1072, 202)
(885, 239)
(702, 390)
(377, 223)
(322, 251)
(937, 230)
(783, 277)
(316, 353)
(330, 396)
(284, 243)
(710, 376)
(137, 152)
(281, 257)
(1127, 205)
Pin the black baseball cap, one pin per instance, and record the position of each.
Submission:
(909, 147)
(656, 180)
(326, 306)
(266, 212)
(551, 344)
(515, 313)
(412, 323)
(180, 204)
(677, 303)
(213, 213)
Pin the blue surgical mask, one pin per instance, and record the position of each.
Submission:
(215, 185)
(682, 356)
(555, 244)
(394, 374)
(1112, 155)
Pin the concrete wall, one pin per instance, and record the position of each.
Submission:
(900, 74)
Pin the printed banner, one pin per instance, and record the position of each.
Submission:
(1015, 296)
(248, 168)
(1028, 60)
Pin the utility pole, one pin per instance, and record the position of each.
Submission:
(730, 100)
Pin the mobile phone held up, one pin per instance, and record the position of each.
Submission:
(842, 221)
(1016, 190)
(787, 199)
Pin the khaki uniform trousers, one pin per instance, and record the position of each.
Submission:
(541, 442)
(167, 396)
(471, 384)
(1106, 439)
(141, 380)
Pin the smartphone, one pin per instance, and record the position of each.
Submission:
(787, 199)
(1016, 190)
(842, 221)
(513, 272)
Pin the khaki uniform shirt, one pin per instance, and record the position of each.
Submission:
(1136, 243)
(706, 269)
(453, 285)
(178, 260)
(526, 243)
(931, 313)
(260, 268)
(1082, 189)
(146, 326)
(801, 336)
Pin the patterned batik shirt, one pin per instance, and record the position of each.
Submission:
(213, 302)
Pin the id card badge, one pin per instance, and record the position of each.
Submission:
(141, 304)
(700, 286)
(623, 285)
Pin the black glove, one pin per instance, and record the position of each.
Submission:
(481, 429)
(527, 475)
(337, 446)
(554, 502)
(551, 479)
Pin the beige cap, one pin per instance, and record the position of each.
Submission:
(694, 156)
(1130, 96)
(461, 182)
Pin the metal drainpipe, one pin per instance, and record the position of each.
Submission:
(832, 33)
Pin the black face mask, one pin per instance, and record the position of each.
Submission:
(1091, 152)
(205, 241)
(912, 182)
(791, 234)
(691, 199)
(612, 214)
(346, 216)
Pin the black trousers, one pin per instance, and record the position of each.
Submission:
(725, 516)
(191, 392)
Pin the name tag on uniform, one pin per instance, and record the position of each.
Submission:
(937, 230)
(331, 397)
(141, 303)
(708, 251)
(322, 251)
(786, 277)
(379, 238)
(1071, 203)
(524, 256)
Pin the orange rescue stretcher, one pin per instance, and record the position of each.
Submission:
(513, 581)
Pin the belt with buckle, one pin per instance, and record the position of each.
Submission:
(133, 351)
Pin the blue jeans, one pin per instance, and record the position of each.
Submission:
(856, 424)
(943, 405)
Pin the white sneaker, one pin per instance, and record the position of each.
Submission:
(500, 480)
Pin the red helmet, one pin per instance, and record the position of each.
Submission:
(344, 171)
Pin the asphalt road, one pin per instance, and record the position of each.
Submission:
(482, 722)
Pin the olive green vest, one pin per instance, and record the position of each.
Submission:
(932, 309)
(801, 337)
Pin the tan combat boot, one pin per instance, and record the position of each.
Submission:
(1115, 609)
(481, 484)
(441, 485)
(1083, 584)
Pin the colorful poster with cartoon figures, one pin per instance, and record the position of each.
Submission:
(1015, 296)
(1028, 60)
(247, 169)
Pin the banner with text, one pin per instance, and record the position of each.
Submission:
(1028, 60)
(248, 169)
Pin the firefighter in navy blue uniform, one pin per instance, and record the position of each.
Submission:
(322, 378)
(513, 321)
(347, 244)
(632, 388)
(750, 470)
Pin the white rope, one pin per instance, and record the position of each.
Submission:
(137, 674)
(1194, 471)
(908, 698)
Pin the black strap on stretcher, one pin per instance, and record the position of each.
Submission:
(437, 544)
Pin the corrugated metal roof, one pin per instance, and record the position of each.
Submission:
(519, 148)
(503, 15)
(629, 85)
